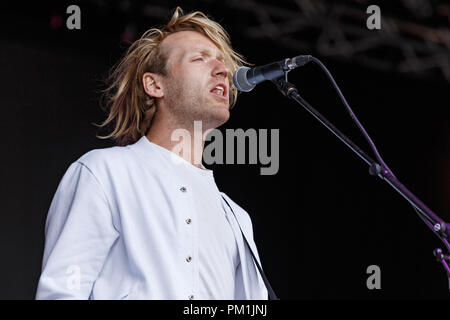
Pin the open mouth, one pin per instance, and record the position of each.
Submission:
(220, 90)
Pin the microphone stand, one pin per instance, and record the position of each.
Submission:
(436, 224)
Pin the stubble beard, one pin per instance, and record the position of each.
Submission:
(187, 104)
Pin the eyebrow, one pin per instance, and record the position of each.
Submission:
(207, 52)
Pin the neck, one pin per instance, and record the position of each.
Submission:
(184, 139)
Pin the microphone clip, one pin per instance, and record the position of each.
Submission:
(289, 64)
(285, 87)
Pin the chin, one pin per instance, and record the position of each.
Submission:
(219, 116)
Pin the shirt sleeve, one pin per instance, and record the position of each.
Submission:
(79, 234)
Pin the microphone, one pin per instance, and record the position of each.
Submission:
(245, 79)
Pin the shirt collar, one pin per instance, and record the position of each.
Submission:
(148, 149)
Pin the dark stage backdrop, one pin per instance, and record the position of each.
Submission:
(318, 223)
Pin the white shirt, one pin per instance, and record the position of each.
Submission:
(129, 223)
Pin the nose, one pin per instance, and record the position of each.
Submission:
(220, 69)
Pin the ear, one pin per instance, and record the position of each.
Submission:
(152, 84)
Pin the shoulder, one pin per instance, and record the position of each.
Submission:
(112, 156)
(91, 166)
(109, 155)
(105, 161)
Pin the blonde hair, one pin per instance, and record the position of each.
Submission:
(131, 110)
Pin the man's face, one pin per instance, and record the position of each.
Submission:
(196, 86)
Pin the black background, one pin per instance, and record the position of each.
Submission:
(318, 223)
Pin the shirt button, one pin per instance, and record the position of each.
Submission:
(188, 221)
(188, 258)
(183, 189)
(191, 297)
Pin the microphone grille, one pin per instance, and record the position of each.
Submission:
(240, 80)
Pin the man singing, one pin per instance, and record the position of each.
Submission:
(144, 219)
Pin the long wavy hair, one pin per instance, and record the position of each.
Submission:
(130, 109)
